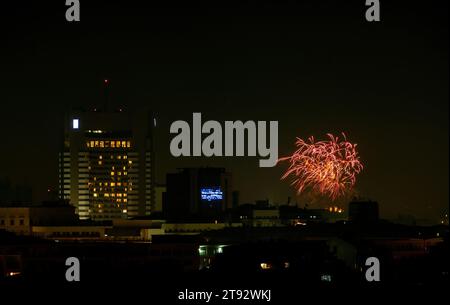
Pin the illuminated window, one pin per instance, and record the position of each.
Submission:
(75, 123)
(118, 144)
(265, 266)
(125, 200)
(95, 195)
(88, 144)
(96, 143)
(113, 184)
(130, 162)
(128, 144)
(92, 143)
(106, 194)
(125, 173)
(119, 157)
(119, 183)
(112, 173)
(113, 144)
(119, 173)
(124, 144)
(124, 168)
(102, 144)
(125, 157)
(100, 157)
(113, 195)
(100, 162)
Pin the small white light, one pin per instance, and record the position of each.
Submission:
(75, 123)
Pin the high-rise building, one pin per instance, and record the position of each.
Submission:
(197, 193)
(106, 167)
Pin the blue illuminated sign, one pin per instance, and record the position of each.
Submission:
(211, 194)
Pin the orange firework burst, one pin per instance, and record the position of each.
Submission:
(328, 167)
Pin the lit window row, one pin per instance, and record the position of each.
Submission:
(113, 195)
(335, 209)
(119, 200)
(108, 144)
(99, 189)
(119, 173)
(109, 204)
(112, 183)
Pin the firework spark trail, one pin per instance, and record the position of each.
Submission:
(328, 167)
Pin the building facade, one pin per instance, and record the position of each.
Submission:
(197, 193)
(106, 167)
(21, 219)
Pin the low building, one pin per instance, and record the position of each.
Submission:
(70, 232)
(266, 217)
(194, 228)
(21, 219)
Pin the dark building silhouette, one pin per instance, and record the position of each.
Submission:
(363, 211)
(14, 193)
(20, 218)
(197, 193)
(235, 201)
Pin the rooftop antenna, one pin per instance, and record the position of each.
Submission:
(106, 92)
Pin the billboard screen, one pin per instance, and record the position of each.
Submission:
(211, 194)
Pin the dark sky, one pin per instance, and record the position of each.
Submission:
(315, 66)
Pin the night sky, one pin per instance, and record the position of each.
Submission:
(315, 66)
